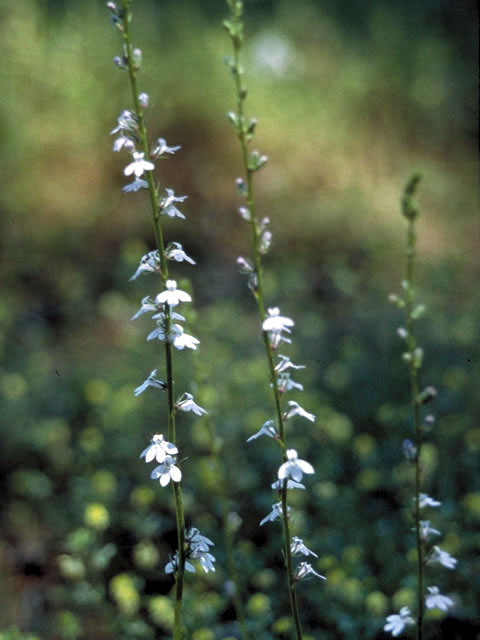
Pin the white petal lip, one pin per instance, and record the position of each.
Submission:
(164, 479)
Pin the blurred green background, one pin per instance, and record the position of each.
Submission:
(350, 97)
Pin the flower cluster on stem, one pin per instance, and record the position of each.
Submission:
(131, 137)
(427, 553)
(276, 328)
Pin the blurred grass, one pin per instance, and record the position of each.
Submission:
(348, 103)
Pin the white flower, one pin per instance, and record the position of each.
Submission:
(294, 467)
(285, 383)
(296, 410)
(171, 566)
(147, 305)
(172, 296)
(161, 147)
(275, 514)
(197, 541)
(139, 165)
(159, 449)
(304, 569)
(426, 530)
(127, 121)
(436, 601)
(167, 207)
(291, 484)
(187, 403)
(151, 381)
(276, 322)
(298, 548)
(149, 263)
(123, 142)
(267, 429)
(396, 623)
(158, 333)
(206, 559)
(442, 557)
(175, 251)
(285, 363)
(427, 501)
(181, 340)
(137, 184)
(167, 471)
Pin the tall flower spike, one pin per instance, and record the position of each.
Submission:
(276, 328)
(131, 137)
(412, 448)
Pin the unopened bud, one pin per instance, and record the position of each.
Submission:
(143, 100)
(428, 394)
(409, 450)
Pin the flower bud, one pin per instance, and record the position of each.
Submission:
(409, 450)
(428, 394)
(241, 187)
(143, 100)
(137, 59)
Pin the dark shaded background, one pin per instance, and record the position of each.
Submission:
(350, 98)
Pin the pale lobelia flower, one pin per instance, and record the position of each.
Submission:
(187, 403)
(275, 514)
(172, 296)
(276, 322)
(171, 566)
(296, 410)
(439, 556)
(151, 381)
(275, 325)
(158, 449)
(426, 501)
(285, 383)
(162, 148)
(159, 332)
(149, 263)
(305, 569)
(285, 363)
(435, 600)
(147, 305)
(175, 251)
(180, 339)
(426, 530)
(127, 121)
(139, 165)
(267, 429)
(123, 142)
(196, 540)
(299, 549)
(397, 622)
(199, 547)
(167, 471)
(294, 467)
(167, 206)
(291, 484)
(136, 185)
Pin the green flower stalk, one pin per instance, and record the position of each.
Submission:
(275, 327)
(131, 132)
(426, 552)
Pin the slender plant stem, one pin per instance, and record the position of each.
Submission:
(414, 386)
(259, 296)
(153, 195)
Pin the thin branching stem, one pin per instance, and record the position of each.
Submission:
(153, 196)
(259, 296)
